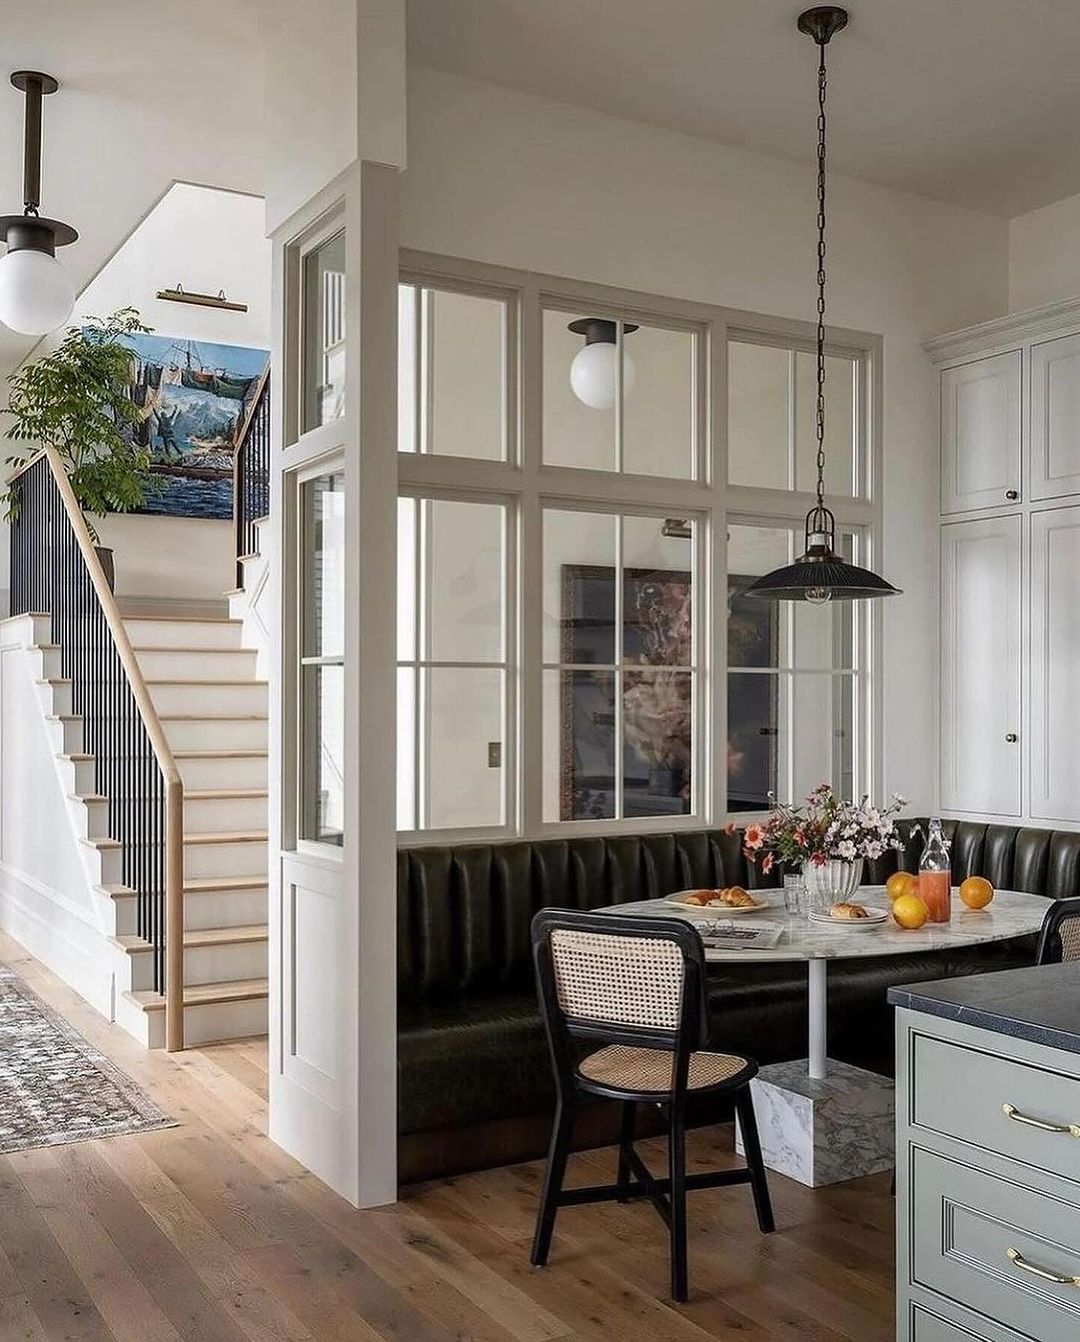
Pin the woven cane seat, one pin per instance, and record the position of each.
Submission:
(626, 1068)
(1069, 932)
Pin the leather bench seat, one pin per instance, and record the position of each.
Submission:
(474, 1081)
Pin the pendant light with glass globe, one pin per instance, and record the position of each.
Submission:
(821, 574)
(36, 293)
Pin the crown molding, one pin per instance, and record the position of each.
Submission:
(1004, 332)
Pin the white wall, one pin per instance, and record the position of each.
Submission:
(1044, 255)
(505, 177)
(204, 240)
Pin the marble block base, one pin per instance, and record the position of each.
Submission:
(823, 1132)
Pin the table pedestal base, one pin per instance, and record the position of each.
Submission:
(823, 1132)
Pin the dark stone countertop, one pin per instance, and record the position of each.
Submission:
(1039, 1004)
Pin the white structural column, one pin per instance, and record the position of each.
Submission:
(817, 988)
(336, 135)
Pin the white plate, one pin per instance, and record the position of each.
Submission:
(874, 918)
(678, 901)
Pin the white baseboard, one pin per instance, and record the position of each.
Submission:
(72, 948)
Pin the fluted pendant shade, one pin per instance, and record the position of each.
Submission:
(821, 574)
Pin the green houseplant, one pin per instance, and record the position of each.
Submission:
(76, 400)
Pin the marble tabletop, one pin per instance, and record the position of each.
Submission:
(1011, 914)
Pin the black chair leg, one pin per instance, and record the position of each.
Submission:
(626, 1143)
(553, 1181)
(677, 1174)
(744, 1107)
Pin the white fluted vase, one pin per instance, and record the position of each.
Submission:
(834, 882)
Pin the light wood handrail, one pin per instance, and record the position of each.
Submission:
(174, 788)
(253, 405)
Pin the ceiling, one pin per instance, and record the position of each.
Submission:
(971, 101)
(149, 94)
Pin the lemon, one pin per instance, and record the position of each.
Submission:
(910, 911)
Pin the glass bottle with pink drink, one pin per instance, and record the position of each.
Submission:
(935, 875)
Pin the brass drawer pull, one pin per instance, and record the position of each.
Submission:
(1058, 1278)
(1069, 1129)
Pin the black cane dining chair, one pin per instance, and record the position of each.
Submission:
(1060, 936)
(635, 987)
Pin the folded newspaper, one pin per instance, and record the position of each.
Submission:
(728, 935)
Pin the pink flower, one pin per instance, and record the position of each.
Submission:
(767, 863)
(818, 859)
(730, 827)
(754, 838)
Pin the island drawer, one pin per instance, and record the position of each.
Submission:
(1001, 1250)
(1015, 1109)
(926, 1327)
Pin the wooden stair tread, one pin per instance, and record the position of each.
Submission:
(199, 937)
(193, 648)
(223, 794)
(205, 717)
(204, 994)
(216, 755)
(229, 836)
(263, 683)
(207, 885)
(180, 619)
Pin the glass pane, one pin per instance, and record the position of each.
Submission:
(579, 587)
(757, 630)
(464, 569)
(824, 635)
(408, 367)
(579, 745)
(464, 747)
(324, 333)
(406, 748)
(408, 517)
(759, 416)
(576, 433)
(323, 537)
(657, 591)
(322, 753)
(465, 415)
(820, 738)
(756, 715)
(657, 745)
(840, 411)
(658, 402)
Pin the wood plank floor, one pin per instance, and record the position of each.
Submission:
(208, 1232)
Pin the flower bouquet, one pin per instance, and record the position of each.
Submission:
(827, 838)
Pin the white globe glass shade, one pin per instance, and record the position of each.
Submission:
(593, 378)
(36, 293)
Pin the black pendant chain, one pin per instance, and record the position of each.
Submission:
(822, 88)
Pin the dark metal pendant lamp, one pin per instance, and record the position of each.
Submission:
(821, 574)
(36, 294)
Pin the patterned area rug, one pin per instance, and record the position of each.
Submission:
(54, 1087)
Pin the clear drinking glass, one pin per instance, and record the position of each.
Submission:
(794, 893)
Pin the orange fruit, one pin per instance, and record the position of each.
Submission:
(901, 883)
(910, 911)
(976, 892)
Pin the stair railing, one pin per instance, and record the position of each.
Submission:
(55, 571)
(251, 473)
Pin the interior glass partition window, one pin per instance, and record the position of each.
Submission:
(454, 744)
(793, 679)
(620, 395)
(454, 352)
(772, 419)
(322, 659)
(322, 289)
(620, 666)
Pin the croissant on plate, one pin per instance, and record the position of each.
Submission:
(848, 911)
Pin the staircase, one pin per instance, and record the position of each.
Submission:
(214, 713)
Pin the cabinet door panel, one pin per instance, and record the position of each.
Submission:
(1055, 418)
(980, 433)
(1055, 661)
(980, 665)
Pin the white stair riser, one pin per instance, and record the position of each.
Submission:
(103, 866)
(240, 733)
(66, 735)
(202, 1024)
(55, 696)
(224, 859)
(244, 699)
(183, 633)
(77, 777)
(91, 817)
(244, 771)
(196, 664)
(204, 964)
(218, 814)
(219, 908)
